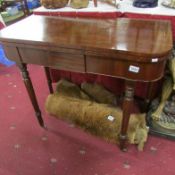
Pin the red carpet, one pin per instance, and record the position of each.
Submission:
(27, 149)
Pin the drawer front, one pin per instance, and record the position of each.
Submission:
(58, 60)
(125, 69)
(11, 53)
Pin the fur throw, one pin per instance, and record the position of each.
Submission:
(54, 4)
(67, 88)
(100, 119)
(99, 93)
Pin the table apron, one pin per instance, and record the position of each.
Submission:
(79, 62)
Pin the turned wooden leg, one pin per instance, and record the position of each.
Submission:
(95, 3)
(49, 80)
(25, 8)
(127, 104)
(31, 92)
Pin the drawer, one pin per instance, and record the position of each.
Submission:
(125, 69)
(58, 60)
(11, 53)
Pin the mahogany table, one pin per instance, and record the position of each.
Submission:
(135, 50)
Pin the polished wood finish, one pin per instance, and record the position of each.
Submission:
(31, 92)
(119, 68)
(135, 50)
(127, 104)
(49, 80)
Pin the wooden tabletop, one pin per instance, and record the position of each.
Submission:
(142, 38)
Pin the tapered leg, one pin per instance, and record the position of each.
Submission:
(25, 8)
(127, 104)
(31, 92)
(95, 3)
(49, 80)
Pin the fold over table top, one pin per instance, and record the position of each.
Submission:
(141, 38)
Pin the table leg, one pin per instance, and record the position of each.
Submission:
(31, 92)
(49, 80)
(95, 3)
(127, 104)
(25, 8)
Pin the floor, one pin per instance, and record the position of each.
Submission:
(63, 149)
